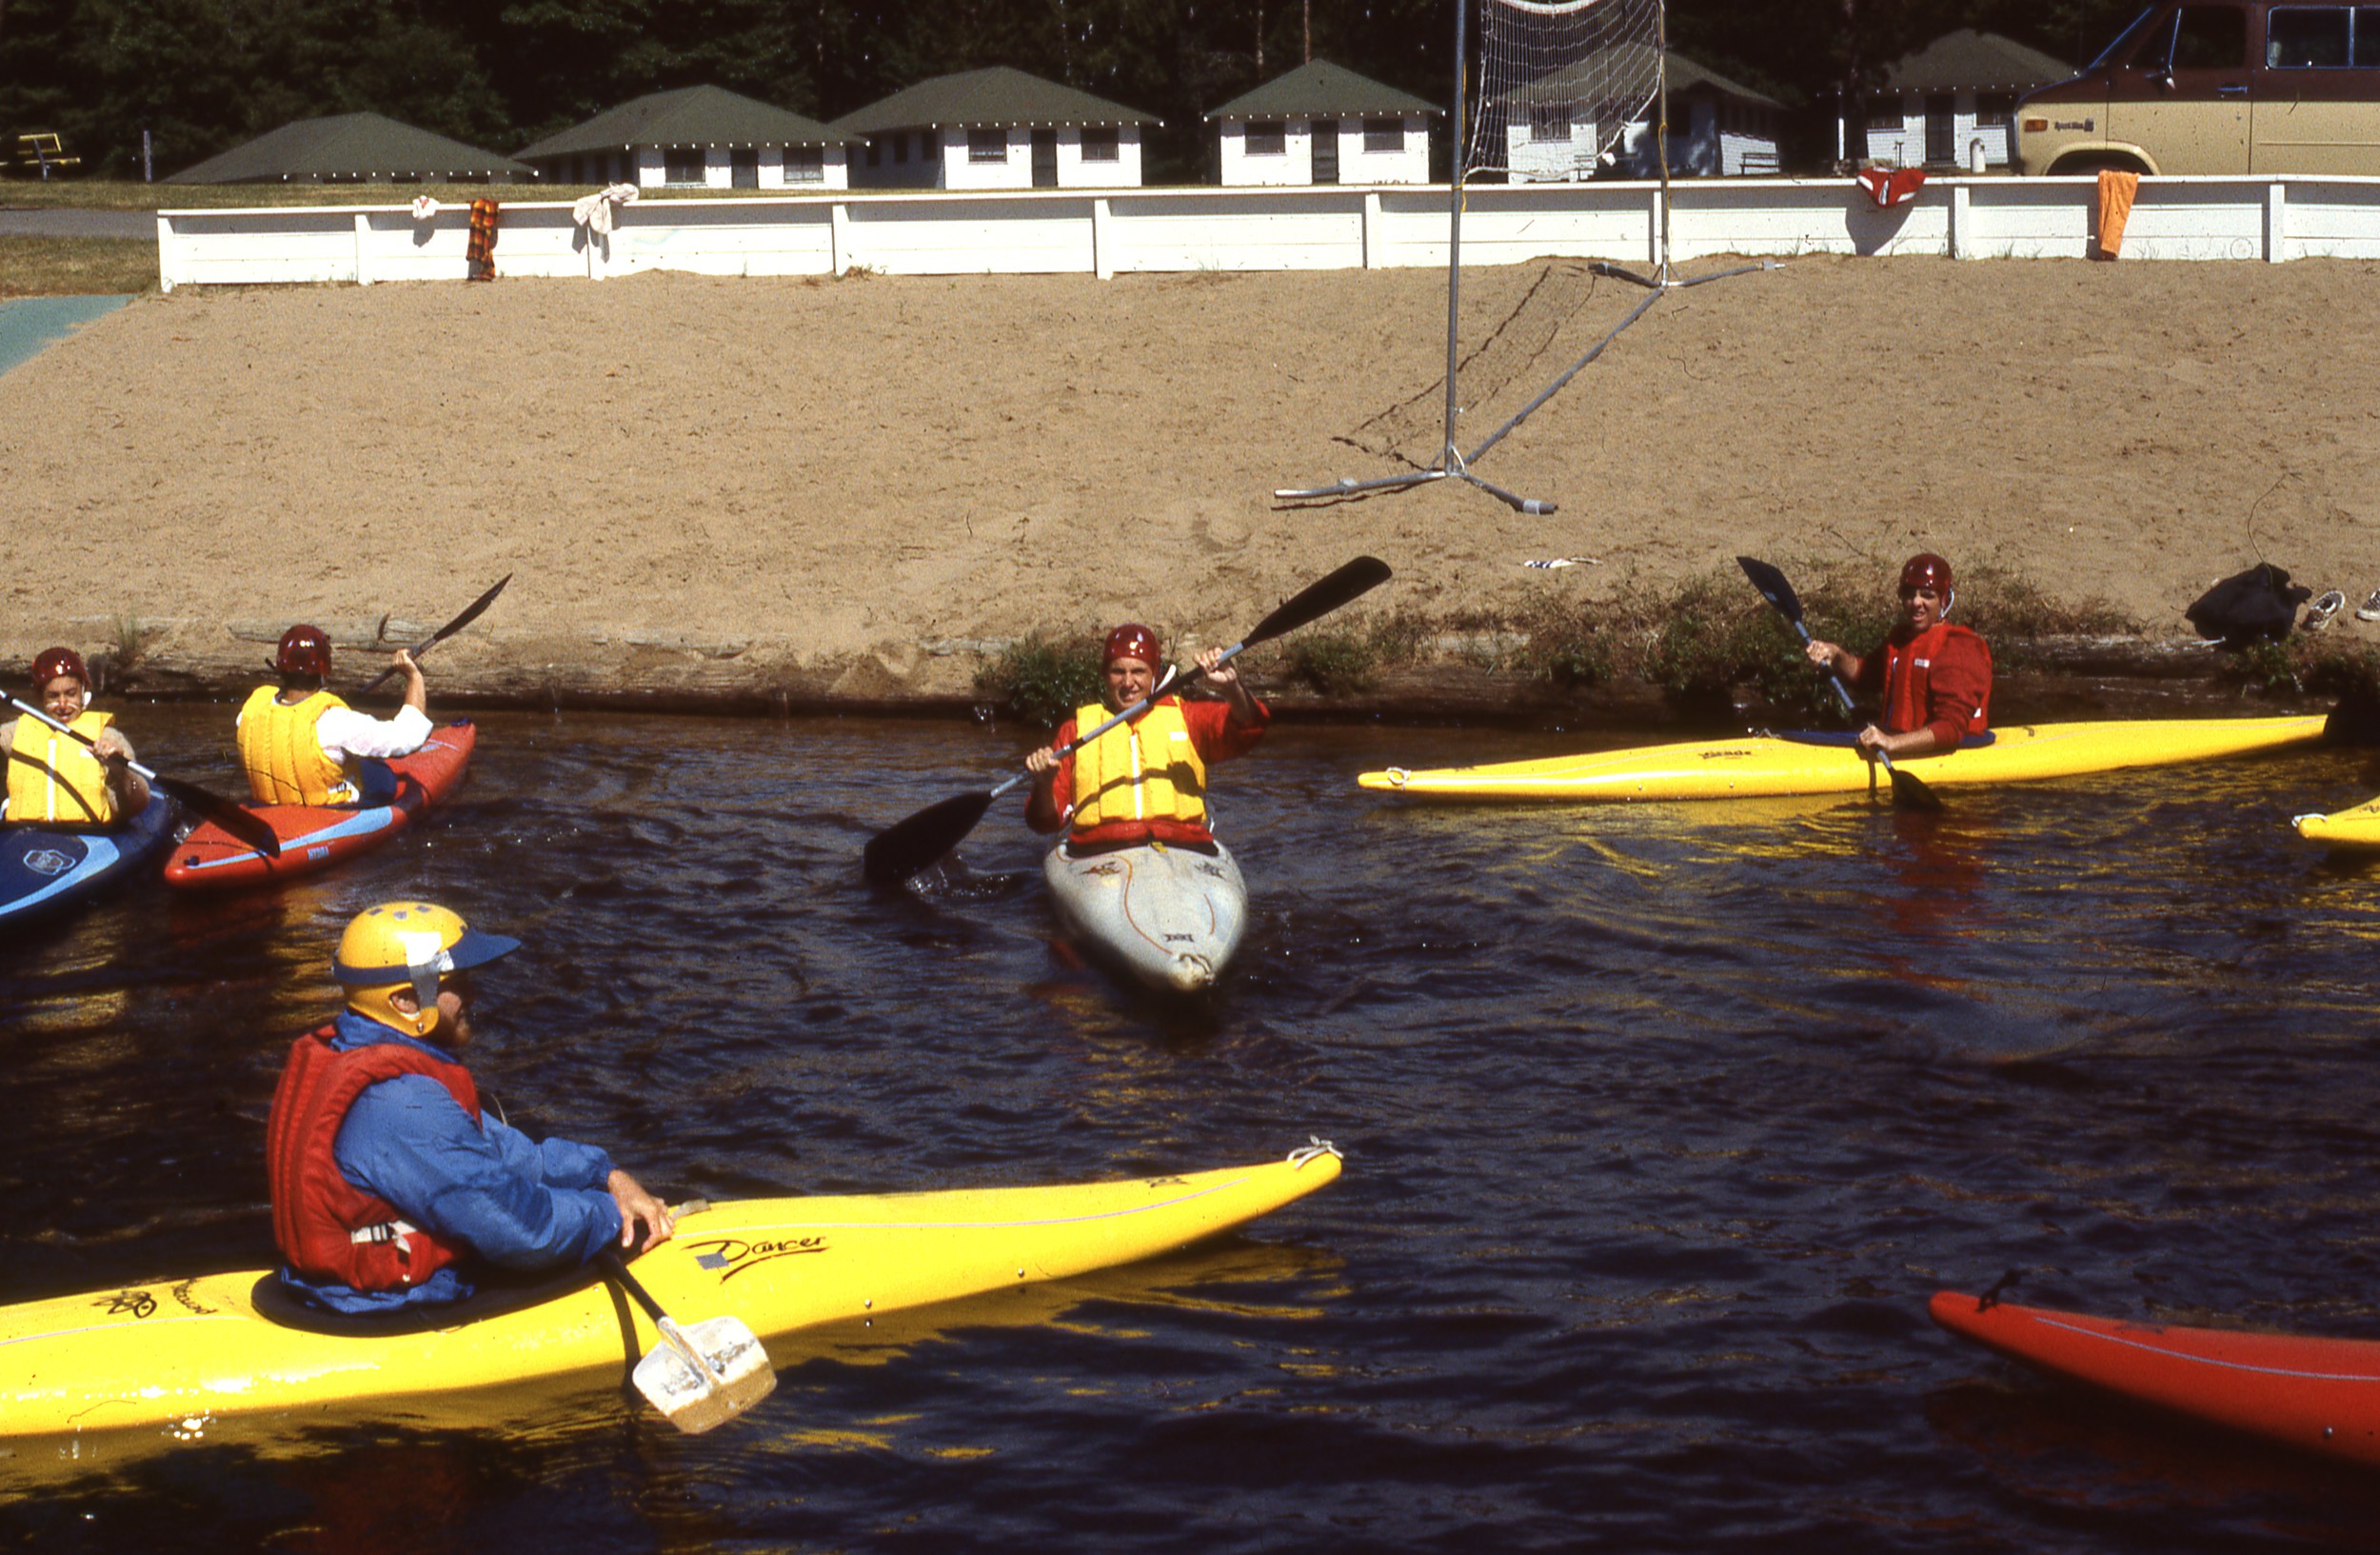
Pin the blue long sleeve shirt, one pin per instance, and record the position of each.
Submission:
(516, 1203)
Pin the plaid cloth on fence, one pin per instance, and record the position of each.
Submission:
(481, 255)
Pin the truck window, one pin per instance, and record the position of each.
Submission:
(2209, 38)
(2307, 37)
(2123, 39)
(2367, 54)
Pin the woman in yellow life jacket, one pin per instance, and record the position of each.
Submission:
(1145, 779)
(303, 746)
(55, 780)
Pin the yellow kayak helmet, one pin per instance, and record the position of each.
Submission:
(408, 946)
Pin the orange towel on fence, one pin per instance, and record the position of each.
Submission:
(2115, 207)
(480, 252)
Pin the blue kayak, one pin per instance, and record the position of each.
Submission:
(43, 871)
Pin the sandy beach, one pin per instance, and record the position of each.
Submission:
(849, 489)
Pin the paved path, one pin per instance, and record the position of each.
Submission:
(29, 223)
(27, 325)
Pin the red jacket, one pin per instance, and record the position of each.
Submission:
(1215, 737)
(1941, 679)
(315, 1210)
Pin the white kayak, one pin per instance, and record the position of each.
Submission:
(1171, 917)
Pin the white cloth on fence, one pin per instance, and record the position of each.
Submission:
(595, 211)
(423, 208)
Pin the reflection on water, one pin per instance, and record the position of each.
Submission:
(1662, 1122)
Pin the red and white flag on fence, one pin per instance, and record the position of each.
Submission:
(1889, 187)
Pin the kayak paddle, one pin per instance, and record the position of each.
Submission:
(470, 615)
(907, 847)
(701, 1376)
(240, 823)
(1907, 790)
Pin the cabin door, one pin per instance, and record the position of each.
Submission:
(1046, 159)
(1325, 150)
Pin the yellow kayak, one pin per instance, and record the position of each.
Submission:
(179, 1353)
(2357, 827)
(1768, 765)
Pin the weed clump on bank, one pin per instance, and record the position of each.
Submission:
(1043, 678)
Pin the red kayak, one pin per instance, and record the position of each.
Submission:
(2320, 1395)
(315, 837)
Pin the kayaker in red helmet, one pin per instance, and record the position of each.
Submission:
(392, 1187)
(55, 780)
(1935, 677)
(304, 746)
(1145, 780)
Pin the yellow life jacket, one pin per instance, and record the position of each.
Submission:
(1143, 771)
(57, 780)
(284, 760)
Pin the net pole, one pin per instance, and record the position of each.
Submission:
(1447, 457)
(1660, 98)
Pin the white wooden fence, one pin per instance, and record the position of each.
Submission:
(1344, 228)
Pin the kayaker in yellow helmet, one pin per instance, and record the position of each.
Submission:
(391, 1187)
(1935, 677)
(55, 780)
(1145, 780)
(302, 745)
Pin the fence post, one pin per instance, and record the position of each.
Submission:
(2276, 209)
(1962, 217)
(1371, 228)
(362, 235)
(1103, 239)
(837, 237)
(166, 256)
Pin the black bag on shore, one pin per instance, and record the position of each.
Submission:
(2258, 605)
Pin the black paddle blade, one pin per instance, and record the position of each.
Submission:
(1772, 587)
(242, 823)
(1910, 794)
(1319, 598)
(471, 613)
(907, 847)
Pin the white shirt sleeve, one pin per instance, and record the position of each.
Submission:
(342, 732)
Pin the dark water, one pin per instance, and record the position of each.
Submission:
(1661, 1124)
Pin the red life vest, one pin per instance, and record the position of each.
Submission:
(316, 1212)
(1908, 670)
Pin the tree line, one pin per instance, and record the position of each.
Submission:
(204, 75)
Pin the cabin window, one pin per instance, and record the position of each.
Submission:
(1268, 137)
(987, 146)
(929, 145)
(1102, 146)
(681, 164)
(805, 164)
(1383, 136)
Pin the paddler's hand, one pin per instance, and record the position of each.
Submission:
(639, 1207)
(1225, 678)
(1871, 740)
(1042, 763)
(1823, 653)
(416, 689)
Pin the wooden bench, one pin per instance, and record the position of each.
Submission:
(40, 152)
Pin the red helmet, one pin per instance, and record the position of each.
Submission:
(1130, 641)
(54, 661)
(305, 650)
(1927, 571)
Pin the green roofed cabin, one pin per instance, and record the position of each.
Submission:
(354, 148)
(1323, 124)
(1950, 104)
(996, 129)
(695, 137)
